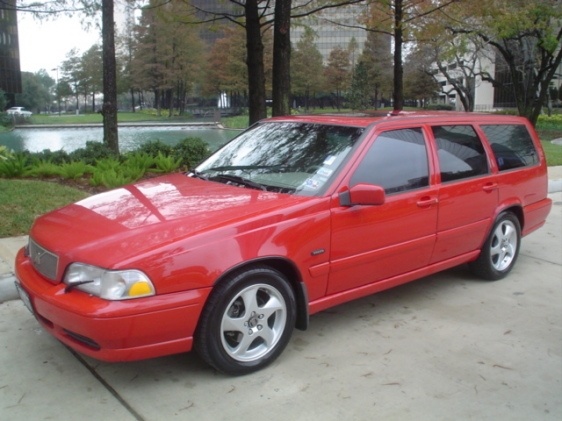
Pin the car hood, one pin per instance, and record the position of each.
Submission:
(110, 227)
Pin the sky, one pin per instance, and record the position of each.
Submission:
(44, 45)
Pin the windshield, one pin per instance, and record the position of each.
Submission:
(282, 157)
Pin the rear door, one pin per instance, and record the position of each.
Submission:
(468, 196)
(372, 243)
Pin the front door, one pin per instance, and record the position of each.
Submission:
(373, 243)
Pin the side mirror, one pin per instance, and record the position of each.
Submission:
(363, 194)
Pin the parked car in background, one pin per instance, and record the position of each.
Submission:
(19, 111)
(295, 215)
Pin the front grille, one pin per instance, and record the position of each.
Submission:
(45, 262)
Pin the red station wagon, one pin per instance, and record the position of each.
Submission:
(295, 215)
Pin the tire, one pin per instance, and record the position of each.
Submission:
(501, 249)
(247, 321)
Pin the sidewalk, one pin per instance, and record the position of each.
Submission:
(10, 246)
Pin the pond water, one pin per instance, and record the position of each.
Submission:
(130, 138)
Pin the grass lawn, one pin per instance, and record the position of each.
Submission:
(24, 200)
(238, 122)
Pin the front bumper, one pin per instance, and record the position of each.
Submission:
(112, 330)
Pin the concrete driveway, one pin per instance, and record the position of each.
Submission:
(446, 347)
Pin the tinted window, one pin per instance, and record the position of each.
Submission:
(397, 161)
(512, 145)
(461, 153)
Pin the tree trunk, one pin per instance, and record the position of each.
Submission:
(256, 73)
(109, 108)
(281, 59)
(398, 95)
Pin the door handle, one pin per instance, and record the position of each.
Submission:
(490, 187)
(426, 202)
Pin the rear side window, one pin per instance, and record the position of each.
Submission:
(397, 161)
(461, 154)
(512, 145)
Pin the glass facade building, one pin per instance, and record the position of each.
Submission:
(334, 27)
(10, 73)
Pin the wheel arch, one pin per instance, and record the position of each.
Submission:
(290, 271)
(515, 209)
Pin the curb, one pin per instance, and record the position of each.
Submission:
(554, 186)
(8, 290)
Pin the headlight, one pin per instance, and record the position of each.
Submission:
(108, 284)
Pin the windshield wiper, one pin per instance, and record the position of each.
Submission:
(244, 167)
(238, 180)
(199, 174)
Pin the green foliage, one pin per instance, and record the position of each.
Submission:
(5, 153)
(93, 152)
(165, 163)
(110, 179)
(44, 169)
(56, 157)
(191, 151)
(74, 170)
(15, 166)
(111, 173)
(155, 147)
(139, 160)
(555, 120)
(107, 164)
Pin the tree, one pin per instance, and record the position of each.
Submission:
(526, 39)
(419, 81)
(338, 72)
(360, 92)
(307, 68)
(35, 91)
(255, 16)
(399, 18)
(91, 73)
(377, 60)
(168, 56)
(109, 107)
(71, 74)
(227, 71)
(282, 58)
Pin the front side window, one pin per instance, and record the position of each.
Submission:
(512, 145)
(286, 157)
(461, 153)
(397, 161)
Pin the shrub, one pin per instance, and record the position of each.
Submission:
(56, 157)
(166, 163)
(15, 166)
(44, 169)
(153, 148)
(110, 178)
(74, 170)
(139, 160)
(93, 152)
(5, 153)
(107, 164)
(191, 151)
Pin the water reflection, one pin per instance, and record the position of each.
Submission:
(130, 138)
